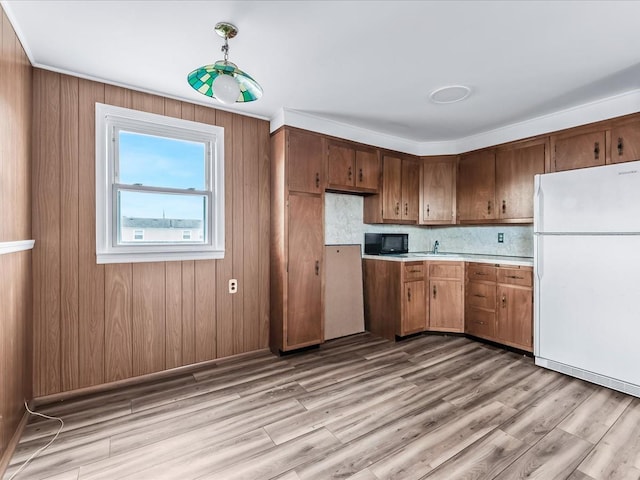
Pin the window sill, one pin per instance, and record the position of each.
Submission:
(140, 257)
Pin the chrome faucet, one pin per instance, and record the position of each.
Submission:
(436, 246)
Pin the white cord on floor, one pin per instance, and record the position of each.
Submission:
(41, 449)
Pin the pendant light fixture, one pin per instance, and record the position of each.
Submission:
(223, 80)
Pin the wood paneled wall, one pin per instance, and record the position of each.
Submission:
(95, 324)
(15, 224)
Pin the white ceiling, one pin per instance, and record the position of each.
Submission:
(368, 64)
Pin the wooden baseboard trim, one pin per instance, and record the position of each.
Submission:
(127, 382)
(13, 443)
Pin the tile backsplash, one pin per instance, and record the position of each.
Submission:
(343, 225)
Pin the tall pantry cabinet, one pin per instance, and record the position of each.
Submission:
(297, 239)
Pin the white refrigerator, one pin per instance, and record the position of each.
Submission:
(587, 274)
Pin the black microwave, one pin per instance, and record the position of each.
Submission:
(386, 243)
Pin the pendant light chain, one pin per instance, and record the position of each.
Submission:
(225, 49)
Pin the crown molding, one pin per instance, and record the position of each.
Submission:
(19, 246)
(602, 109)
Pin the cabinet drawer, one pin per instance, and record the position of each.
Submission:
(480, 272)
(413, 271)
(446, 270)
(480, 322)
(515, 276)
(481, 295)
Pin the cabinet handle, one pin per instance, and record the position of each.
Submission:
(350, 174)
(317, 267)
(516, 277)
(504, 206)
(435, 291)
(479, 296)
(415, 271)
(620, 146)
(480, 322)
(397, 208)
(427, 209)
(406, 209)
(489, 207)
(596, 150)
(409, 294)
(504, 301)
(317, 180)
(482, 274)
(360, 176)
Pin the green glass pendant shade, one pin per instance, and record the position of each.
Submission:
(201, 79)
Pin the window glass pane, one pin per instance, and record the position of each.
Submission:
(160, 161)
(162, 217)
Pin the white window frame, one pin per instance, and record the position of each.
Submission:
(108, 120)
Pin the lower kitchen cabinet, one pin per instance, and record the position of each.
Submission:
(446, 299)
(499, 304)
(394, 297)
(514, 325)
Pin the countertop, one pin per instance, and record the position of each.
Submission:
(454, 257)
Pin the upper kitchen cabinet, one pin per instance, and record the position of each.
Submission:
(476, 187)
(515, 169)
(305, 166)
(352, 168)
(625, 141)
(578, 148)
(437, 205)
(398, 201)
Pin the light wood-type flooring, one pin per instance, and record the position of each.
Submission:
(433, 407)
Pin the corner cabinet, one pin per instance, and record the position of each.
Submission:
(297, 240)
(437, 204)
(398, 201)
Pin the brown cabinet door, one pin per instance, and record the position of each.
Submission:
(578, 151)
(480, 322)
(438, 192)
(515, 169)
(367, 172)
(340, 165)
(445, 305)
(515, 317)
(391, 188)
(625, 140)
(304, 296)
(410, 190)
(304, 162)
(476, 186)
(414, 318)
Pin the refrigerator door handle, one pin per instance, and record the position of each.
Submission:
(538, 198)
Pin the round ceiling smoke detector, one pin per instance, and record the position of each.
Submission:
(450, 94)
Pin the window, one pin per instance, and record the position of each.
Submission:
(159, 187)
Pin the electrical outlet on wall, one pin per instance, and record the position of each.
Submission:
(233, 285)
(500, 237)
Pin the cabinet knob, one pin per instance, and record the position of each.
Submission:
(409, 294)
(406, 209)
(504, 206)
(620, 146)
(504, 301)
(596, 150)
(427, 209)
(360, 176)
(350, 174)
(489, 207)
(435, 291)
(317, 267)
(397, 208)
(317, 180)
